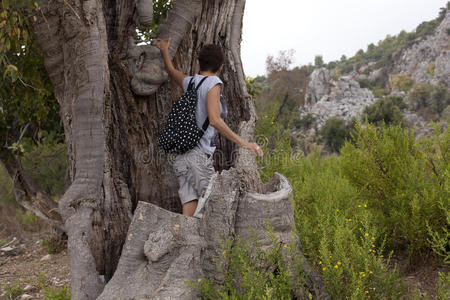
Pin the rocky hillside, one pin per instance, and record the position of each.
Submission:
(326, 97)
(429, 60)
(424, 63)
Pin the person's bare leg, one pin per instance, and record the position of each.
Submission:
(189, 208)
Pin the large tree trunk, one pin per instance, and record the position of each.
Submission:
(114, 99)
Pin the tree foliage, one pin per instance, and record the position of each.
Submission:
(432, 99)
(160, 10)
(282, 91)
(280, 63)
(402, 82)
(318, 61)
(334, 133)
(387, 110)
(27, 102)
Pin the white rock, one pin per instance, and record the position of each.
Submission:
(7, 249)
(25, 296)
(46, 257)
(28, 288)
(343, 98)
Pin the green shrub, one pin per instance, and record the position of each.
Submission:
(419, 95)
(402, 180)
(443, 286)
(431, 98)
(305, 121)
(402, 82)
(26, 218)
(51, 293)
(439, 99)
(332, 223)
(276, 144)
(254, 87)
(46, 164)
(380, 92)
(13, 291)
(440, 237)
(54, 244)
(384, 193)
(334, 133)
(339, 232)
(446, 114)
(430, 69)
(243, 266)
(6, 192)
(386, 110)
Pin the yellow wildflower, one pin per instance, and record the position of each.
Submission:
(366, 234)
(338, 262)
(324, 268)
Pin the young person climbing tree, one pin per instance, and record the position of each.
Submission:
(194, 168)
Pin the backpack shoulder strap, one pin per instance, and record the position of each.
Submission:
(206, 123)
(191, 84)
(200, 83)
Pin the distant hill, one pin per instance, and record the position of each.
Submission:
(390, 54)
(404, 79)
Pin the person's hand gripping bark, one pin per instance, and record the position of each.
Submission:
(254, 148)
(162, 44)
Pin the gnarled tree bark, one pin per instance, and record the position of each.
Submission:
(114, 99)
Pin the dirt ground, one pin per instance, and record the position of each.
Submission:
(421, 277)
(31, 267)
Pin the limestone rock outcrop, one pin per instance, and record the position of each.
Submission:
(428, 60)
(326, 98)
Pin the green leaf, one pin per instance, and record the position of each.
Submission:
(12, 71)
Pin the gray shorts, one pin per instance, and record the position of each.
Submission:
(193, 169)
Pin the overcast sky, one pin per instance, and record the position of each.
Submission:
(324, 27)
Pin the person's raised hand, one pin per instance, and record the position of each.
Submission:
(254, 148)
(162, 44)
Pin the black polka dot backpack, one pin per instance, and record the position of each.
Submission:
(181, 132)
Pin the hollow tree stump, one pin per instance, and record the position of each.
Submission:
(164, 249)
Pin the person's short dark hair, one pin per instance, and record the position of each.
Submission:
(210, 58)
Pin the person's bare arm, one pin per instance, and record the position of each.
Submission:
(213, 108)
(175, 74)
